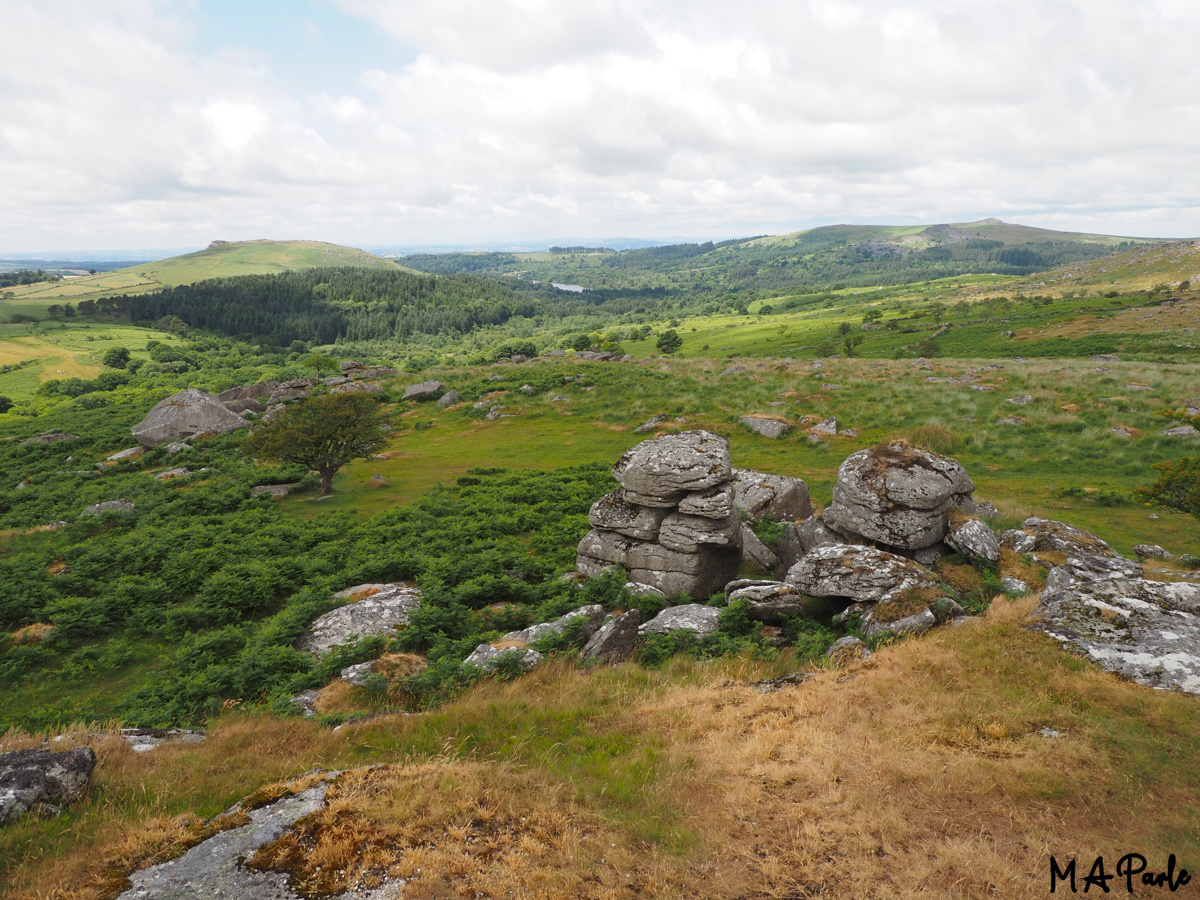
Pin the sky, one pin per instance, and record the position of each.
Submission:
(168, 123)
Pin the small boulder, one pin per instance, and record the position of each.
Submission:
(357, 387)
(693, 617)
(172, 474)
(486, 657)
(847, 650)
(590, 616)
(278, 491)
(1182, 431)
(447, 399)
(54, 437)
(109, 506)
(135, 451)
(375, 609)
(973, 538)
(614, 641)
(642, 590)
(1151, 551)
(42, 781)
(183, 415)
(775, 497)
(829, 426)
(864, 574)
(1014, 585)
(426, 390)
(766, 426)
(650, 424)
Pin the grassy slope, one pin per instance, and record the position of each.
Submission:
(234, 258)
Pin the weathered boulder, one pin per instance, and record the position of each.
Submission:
(798, 539)
(661, 471)
(650, 424)
(861, 573)
(357, 387)
(613, 512)
(1152, 551)
(914, 624)
(590, 616)
(120, 505)
(769, 601)
(828, 427)
(973, 538)
(1049, 536)
(172, 474)
(698, 575)
(256, 391)
(447, 399)
(897, 494)
(136, 451)
(54, 437)
(42, 781)
(642, 590)
(278, 491)
(426, 390)
(1014, 585)
(688, 534)
(614, 641)
(1183, 431)
(1145, 630)
(714, 503)
(776, 497)
(183, 415)
(755, 551)
(847, 650)
(375, 609)
(486, 657)
(766, 426)
(244, 406)
(690, 617)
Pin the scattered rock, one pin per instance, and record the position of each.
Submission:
(426, 390)
(486, 657)
(774, 684)
(143, 740)
(137, 451)
(170, 474)
(864, 574)
(614, 641)
(690, 617)
(1104, 357)
(1151, 551)
(1183, 431)
(306, 702)
(650, 424)
(973, 538)
(767, 427)
(377, 609)
(278, 491)
(770, 602)
(526, 389)
(847, 650)
(1056, 537)
(447, 399)
(776, 497)
(173, 447)
(190, 412)
(829, 426)
(986, 510)
(1010, 420)
(54, 437)
(1020, 401)
(42, 781)
(1014, 585)
(114, 506)
(734, 370)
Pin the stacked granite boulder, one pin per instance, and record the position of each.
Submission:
(672, 524)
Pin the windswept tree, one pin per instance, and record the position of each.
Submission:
(324, 432)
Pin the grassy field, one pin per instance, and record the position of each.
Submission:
(234, 258)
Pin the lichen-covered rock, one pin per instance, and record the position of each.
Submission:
(917, 623)
(698, 575)
(256, 391)
(1152, 551)
(693, 617)
(766, 426)
(447, 399)
(600, 550)
(183, 415)
(426, 390)
(800, 538)
(688, 534)
(769, 601)
(42, 781)
(755, 551)
(847, 650)
(642, 590)
(775, 497)
(1014, 585)
(590, 616)
(974, 539)
(120, 505)
(1051, 536)
(357, 387)
(54, 437)
(665, 469)
(486, 657)
(1018, 541)
(613, 512)
(861, 573)
(615, 640)
(278, 491)
(1145, 630)
(897, 494)
(714, 503)
(376, 609)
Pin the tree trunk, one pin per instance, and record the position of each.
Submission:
(326, 480)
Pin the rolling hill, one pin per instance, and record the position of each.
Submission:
(220, 259)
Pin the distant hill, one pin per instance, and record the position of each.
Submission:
(219, 260)
(832, 256)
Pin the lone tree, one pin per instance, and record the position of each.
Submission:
(669, 342)
(324, 432)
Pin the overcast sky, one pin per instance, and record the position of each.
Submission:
(162, 123)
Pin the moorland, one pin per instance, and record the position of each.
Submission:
(924, 770)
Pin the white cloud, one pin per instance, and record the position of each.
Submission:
(520, 118)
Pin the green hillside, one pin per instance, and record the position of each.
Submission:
(219, 260)
(815, 259)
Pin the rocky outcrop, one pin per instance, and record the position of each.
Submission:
(863, 574)
(447, 399)
(357, 387)
(769, 602)
(374, 609)
(426, 390)
(897, 495)
(693, 617)
(1038, 535)
(190, 412)
(244, 406)
(775, 497)
(755, 551)
(973, 538)
(615, 639)
(41, 781)
(256, 391)
(120, 505)
(644, 528)
(590, 618)
(486, 657)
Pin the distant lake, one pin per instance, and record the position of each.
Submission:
(577, 288)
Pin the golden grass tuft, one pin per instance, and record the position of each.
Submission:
(31, 634)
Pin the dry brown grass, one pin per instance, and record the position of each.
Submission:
(921, 773)
(31, 634)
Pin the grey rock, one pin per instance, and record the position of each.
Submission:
(143, 740)
(1151, 551)
(494, 412)
(1018, 541)
(927, 556)
(614, 641)
(486, 657)
(693, 617)
(673, 465)
(1145, 630)
(918, 623)
(1010, 420)
(526, 389)
(591, 616)
(170, 474)
(1014, 585)
(306, 702)
(385, 608)
(256, 391)
(613, 512)
(986, 510)
(173, 447)
(1049, 535)
(710, 571)
(606, 548)
(214, 867)
(848, 649)
(42, 781)
(769, 601)
(755, 551)
(642, 590)
(115, 506)
(734, 370)
(190, 412)
(357, 675)
(286, 393)
(769, 428)
(829, 426)
(426, 390)
(1183, 431)
(687, 534)
(714, 503)
(897, 494)
(447, 399)
(1104, 357)
(358, 387)
(799, 539)
(973, 538)
(334, 380)
(650, 424)
(1020, 401)
(555, 352)
(775, 497)
(861, 573)
(278, 491)
(137, 451)
(247, 405)
(54, 437)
